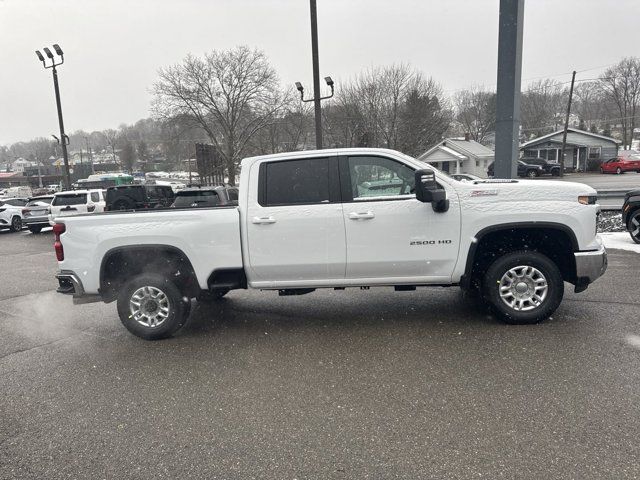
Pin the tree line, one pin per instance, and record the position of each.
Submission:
(234, 100)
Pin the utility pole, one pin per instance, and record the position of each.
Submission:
(89, 153)
(566, 126)
(63, 138)
(316, 73)
(316, 76)
(508, 87)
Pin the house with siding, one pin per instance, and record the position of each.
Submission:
(582, 148)
(459, 155)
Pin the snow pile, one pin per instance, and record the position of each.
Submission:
(620, 241)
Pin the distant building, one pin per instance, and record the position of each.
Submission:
(459, 155)
(582, 148)
(20, 164)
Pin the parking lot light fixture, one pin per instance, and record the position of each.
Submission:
(64, 139)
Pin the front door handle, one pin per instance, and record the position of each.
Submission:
(361, 215)
(263, 220)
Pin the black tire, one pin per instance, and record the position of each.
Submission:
(535, 311)
(618, 171)
(35, 228)
(16, 224)
(555, 172)
(532, 174)
(634, 226)
(177, 305)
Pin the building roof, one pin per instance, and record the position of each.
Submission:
(570, 129)
(459, 148)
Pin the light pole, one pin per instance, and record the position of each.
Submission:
(316, 76)
(64, 139)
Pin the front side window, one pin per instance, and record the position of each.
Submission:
(297, 182)
(379, 177)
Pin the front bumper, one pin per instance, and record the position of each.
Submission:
(590, 266)
(70, 284)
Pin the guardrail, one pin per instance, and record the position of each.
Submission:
(610, 199)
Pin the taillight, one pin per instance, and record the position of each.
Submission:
(59, 229)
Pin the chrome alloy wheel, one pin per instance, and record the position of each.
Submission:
(149, 306)
(523, 288)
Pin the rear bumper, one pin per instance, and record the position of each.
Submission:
(39, 220)
(590, 266)
(70, 284)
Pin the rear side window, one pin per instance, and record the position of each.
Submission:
(297, 182)
(95, 197)
(233, 194)
(70, 199)
(198, 198)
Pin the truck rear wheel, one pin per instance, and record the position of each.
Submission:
(151, 307)
(523, 287)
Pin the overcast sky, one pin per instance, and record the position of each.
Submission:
(113, 48)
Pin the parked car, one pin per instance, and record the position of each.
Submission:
(35, 214)
(524, 170)
(465, 177)
(305, 222)
(11, 213)
(631, 214)
(620, 165)
(138, 197)
(549, 168)
(18, 192)
(206, 197)
(75, 202)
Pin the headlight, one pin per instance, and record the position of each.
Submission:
(587, 199)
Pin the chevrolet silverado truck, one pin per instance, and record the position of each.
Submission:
(337, 219)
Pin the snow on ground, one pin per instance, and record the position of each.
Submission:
(620, 241)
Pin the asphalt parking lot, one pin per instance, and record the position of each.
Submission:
(332, 385)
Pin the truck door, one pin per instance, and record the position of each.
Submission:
(389, 233)
(295, 226)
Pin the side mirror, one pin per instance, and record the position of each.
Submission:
(428, 191)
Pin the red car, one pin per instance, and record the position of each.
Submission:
(621, 164)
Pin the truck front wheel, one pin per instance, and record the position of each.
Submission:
(523, 287)
(151, 307)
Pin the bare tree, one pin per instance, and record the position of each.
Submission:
(230, 94)
(542, 107)
(111, 138)
(392, 107)
(621, 84)
(476, 112)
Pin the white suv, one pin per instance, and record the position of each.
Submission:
(75, 202)
(11, 213)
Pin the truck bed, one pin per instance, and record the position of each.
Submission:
(211, 233)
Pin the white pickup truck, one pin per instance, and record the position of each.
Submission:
(335, 219)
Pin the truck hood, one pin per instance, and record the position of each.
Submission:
(522, 190)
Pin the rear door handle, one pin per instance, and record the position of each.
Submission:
(263, 220)
(361, 215)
